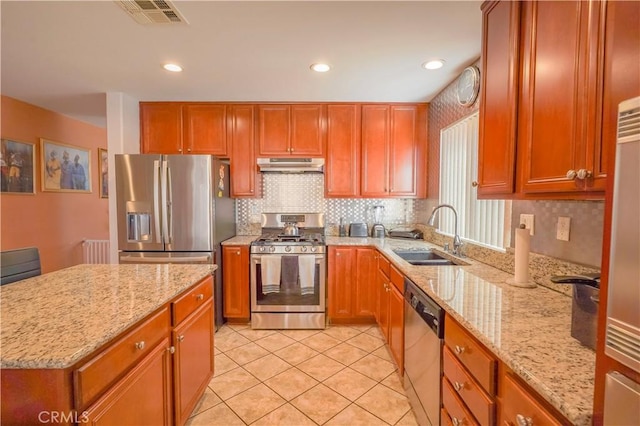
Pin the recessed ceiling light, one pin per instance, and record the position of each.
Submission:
(172, 67)
(320, 67)
(433, 65)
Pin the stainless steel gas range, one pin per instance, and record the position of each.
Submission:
(288, 272)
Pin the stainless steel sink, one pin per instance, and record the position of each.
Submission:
(423, 257)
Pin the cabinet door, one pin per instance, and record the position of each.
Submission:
(205, 129)
(516, 403)
(161, 128)
(396, 327)
(307, 130)
(403, 151)
(556, 96)
(193, 360)
(244, 170)
(235, 281)
(499, 94)
(342, 169)
(340, 286)
(375, 151)
(365, 289)
(383, 304)
(142, 397)
(273, 130)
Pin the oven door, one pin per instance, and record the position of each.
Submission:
(289, 295)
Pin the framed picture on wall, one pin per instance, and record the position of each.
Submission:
(65, 168)
(103, 162)
(17, 161)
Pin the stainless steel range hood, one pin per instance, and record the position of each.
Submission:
(291, 165)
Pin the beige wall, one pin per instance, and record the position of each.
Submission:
(55, 222)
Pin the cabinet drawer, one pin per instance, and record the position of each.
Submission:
(383, 264)
(478, 402)
(192, 300)
(458, 413)
(92, 378)
(397, 279)
(516, 403)
(477, 360)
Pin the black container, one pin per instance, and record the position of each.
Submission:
(584, 308)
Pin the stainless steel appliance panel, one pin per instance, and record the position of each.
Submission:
(166, 257)
(138, 202)
(622, 400)
(623, 306)
(189, 201)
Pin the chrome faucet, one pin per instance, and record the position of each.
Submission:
(457, 243)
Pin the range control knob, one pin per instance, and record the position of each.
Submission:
(314, 249)
(287, 249)
(262, 248)
(272, 249)
(303, 249)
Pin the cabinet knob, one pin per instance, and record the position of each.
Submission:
(188, 149)
(474, 184)
(456, 421)
(459, 349)
(199, 296)
(181, 338)
(571, 174)
(179, 149)
(583, 174)
(523, 420)
(238, 253)
(459, 386)
(140, 345)
(171, 349)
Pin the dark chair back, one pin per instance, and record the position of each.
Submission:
(16, 265)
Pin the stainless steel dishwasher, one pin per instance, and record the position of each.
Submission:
(423, 334)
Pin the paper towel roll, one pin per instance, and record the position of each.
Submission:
(523, 241)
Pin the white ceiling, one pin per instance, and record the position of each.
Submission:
(65, 55)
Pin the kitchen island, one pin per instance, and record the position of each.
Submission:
(527, 329)
(82, 339)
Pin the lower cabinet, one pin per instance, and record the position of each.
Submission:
(142, 397)
(235, 282)
(390, 309)
(351, 285)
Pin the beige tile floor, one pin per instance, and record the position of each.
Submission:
(339, 376)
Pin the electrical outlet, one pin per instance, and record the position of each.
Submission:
(527, 219)
(563, 228)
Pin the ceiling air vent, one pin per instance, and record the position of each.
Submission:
(152, 11)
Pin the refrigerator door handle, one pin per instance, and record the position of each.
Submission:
(165, 207)
(169, 205)
(156, 201)
(166, 259)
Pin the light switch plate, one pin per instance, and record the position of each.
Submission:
(563, 228)
(527, 219)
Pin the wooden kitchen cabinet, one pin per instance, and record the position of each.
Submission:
(205, 129)
(390, 309)
(161, 127)
(291, 130)
(193, 359)
(393, 151)
(351, 289)
(396, 327)
(235, 282)
(517, 404)
(143, 396)
(541, 102)
(342, 167)
(245, 176)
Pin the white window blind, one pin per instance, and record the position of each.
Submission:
(480, 221)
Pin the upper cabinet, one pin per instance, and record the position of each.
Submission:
(342, 167)
(183, 128)
(291, 130)
(394, 151)
(244, 172)
(541, 100)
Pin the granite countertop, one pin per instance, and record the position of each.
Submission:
(56, 319)
(240, 240)
(529, 329)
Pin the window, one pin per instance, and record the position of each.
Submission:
(484, 222)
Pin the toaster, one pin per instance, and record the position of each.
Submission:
(358, 229)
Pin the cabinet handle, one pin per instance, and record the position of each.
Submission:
(199, 296)
(584, 173)
(474, 184)
(140, 345)
(456, 421)
(459, 386)
(181, 338)
(238, 253)
(524, 421)
(171, 349)
(459, 349)
(571, 174)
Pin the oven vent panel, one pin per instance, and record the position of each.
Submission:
(152, 11)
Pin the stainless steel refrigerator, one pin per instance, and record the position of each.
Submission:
(174, 209)
(622, 340)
